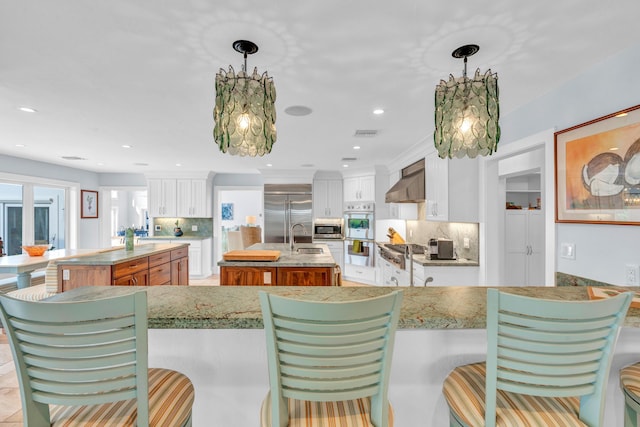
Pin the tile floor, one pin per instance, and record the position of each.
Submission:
(10, 412)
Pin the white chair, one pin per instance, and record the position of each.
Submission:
(85, 363)
(547, 363)
(329, 362)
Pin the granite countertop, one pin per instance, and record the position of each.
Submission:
(238, 307)
(116, 256)
(287, 257)
(426, 261)
(460, 262)
(183, 237)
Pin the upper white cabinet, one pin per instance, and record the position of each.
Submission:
(436, 187)
(327, 198)
(192, 198)
(360, 188)
(184, 196)
(162, 197)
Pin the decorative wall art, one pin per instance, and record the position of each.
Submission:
(227, 211)
(598, 170)
(88, 204)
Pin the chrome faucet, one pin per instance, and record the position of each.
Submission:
(427, 280)
(292, 237)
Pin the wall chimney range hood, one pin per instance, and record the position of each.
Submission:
(410, 188)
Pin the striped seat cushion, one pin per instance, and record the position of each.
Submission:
(171, 397)
(348, 413)
(32, 293)
(464, 390)
(630, 380)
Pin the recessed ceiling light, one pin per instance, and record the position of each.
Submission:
(298, 110)
(28, 109)
(345, 166)
(356, 147)
(126, 146)
(269, 165)
(178, 164)
(378, 111)
(20, 145)
(100, 164)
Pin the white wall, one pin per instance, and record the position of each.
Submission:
(601, 250)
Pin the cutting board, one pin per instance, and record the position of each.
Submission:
(256, 255)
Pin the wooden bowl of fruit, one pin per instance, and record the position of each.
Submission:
(35, 250)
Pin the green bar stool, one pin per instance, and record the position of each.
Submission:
(630, 383)
(547, 363)
(85, 363)
(329, 362)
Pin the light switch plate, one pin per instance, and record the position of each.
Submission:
(568, 250)
(194, 228)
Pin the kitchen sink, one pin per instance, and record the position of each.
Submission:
(309, 250)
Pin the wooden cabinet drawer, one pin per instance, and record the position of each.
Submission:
(140, 278)
(180, 253)
(130, 267)
(160, 258)
(160, 274)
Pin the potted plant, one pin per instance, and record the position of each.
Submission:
(177, 231)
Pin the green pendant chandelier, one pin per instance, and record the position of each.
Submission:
(467, 112)
(244, 115)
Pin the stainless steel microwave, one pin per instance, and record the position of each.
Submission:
(328, 229)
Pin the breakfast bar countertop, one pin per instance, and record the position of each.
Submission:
(238, 307)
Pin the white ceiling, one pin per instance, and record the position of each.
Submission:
(102, 74)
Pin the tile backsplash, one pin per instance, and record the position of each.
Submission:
(421, 231)
(166, 225)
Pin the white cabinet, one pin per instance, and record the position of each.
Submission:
(394, 276)
(360, 188)
(406, 211)
(436, 187)
(524, 247)
(179, 197)
(445, 275)
(162, 197)
(327, 198)
(359, 273)
(191, 198)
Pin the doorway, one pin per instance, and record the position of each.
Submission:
(531, 155)
(242, 204)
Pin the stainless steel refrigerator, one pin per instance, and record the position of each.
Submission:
(285, 205)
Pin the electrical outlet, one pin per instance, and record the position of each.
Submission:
(466, 242)
(194, 228)
(632, 271)
(157, 227)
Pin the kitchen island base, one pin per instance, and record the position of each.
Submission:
(229, 371)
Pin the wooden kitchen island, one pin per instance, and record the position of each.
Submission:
(146, 265)
(288, 268)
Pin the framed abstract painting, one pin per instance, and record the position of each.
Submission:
(597, 170)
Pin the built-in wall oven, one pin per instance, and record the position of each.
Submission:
(359, 225)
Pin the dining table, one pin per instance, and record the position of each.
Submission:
(23, 265)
